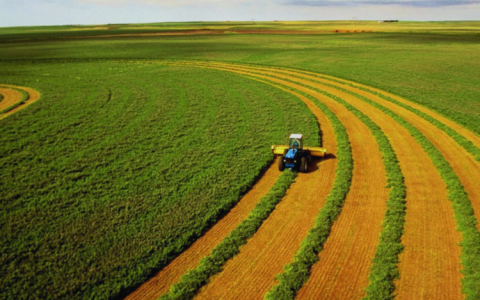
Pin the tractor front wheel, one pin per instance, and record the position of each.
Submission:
(281, 163)
(304, 165)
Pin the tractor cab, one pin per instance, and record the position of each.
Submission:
(296, 141)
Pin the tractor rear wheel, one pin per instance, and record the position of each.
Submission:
(281, 163)
(304, 165)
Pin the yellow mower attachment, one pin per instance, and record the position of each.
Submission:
(314, 151)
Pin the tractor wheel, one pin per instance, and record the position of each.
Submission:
(281, 164)
(304, 165)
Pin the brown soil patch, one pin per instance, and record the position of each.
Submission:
(17, 96)
(189, 259)
(367, 197)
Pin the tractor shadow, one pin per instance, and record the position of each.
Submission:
(316, 162)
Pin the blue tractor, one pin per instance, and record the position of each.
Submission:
(295, 156)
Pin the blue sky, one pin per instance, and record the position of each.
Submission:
(59, 12)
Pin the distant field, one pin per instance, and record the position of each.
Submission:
(141, 142)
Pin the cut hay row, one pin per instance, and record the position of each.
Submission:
(16, 98)
(188, 260)
(9, 98)
(457, 150)
(434, 242)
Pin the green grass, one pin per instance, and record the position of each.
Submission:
(121, 166)
(437, 70)
(90, 187)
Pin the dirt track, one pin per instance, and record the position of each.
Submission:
(12, 96)
(430, 264)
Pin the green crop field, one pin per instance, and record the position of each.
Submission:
(130, 156)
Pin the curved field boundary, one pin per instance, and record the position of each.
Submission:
(463, 207)
(277, 239)
(467, 139)
(161, 282)
(14, 99)
(464, 137)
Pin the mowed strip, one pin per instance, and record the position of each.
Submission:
(33, 96)
(161, 282)
(368, 185)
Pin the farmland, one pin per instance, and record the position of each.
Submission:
(144, 169)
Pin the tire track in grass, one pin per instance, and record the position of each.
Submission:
(13, 100)
(450, 262)
(190, 258)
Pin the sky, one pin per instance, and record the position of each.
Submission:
(68, 12)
